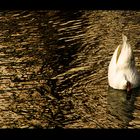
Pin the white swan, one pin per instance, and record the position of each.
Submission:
(122, 73)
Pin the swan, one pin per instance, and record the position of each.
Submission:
(122, 72)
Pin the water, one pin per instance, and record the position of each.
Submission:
(54, 69)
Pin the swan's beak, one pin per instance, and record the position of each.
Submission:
(128, 86)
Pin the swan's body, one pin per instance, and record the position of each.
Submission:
(122, 73)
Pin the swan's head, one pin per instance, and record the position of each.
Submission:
(124, 55)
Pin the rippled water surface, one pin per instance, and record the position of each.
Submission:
(54, 69)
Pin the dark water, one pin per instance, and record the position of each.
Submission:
(54, 69)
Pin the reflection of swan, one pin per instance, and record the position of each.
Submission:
(120, 108)
(122, 73)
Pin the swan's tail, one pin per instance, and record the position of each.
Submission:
(124, 38)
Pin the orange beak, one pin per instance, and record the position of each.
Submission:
(128, 86)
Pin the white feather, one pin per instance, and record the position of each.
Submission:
(122, 67)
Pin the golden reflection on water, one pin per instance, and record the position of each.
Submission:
(62, 57)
